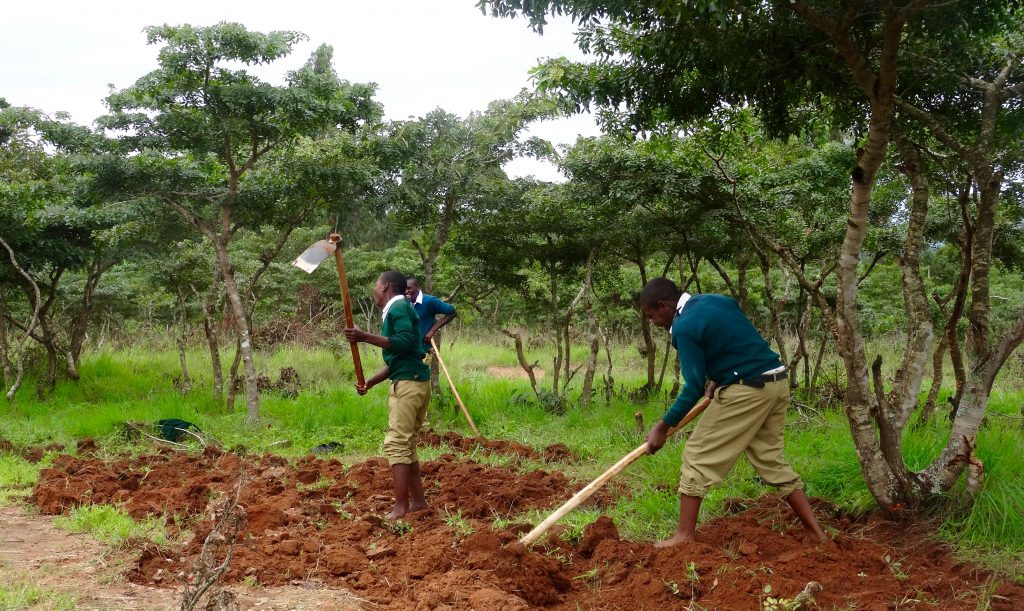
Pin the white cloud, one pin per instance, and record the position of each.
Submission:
(62, 54)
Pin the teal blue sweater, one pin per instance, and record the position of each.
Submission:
(405, 357)
(715, 341)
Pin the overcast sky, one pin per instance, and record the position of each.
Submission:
(60, 55)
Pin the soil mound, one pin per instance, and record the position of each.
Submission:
(558, 452)
(318, 521)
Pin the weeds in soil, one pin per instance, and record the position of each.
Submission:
(399, 527)
(592, 578)
(323, 483)
(112, 525)
(896, 567)
(457, 522)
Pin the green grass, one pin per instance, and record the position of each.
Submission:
(112, 525)
(17, 476)
(135, 384)
(22, 593)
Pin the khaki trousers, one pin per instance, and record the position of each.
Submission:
(407, 408)
(740, 420)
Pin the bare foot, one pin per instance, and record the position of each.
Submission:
(815, 537)
(417, 506)
(396, 513)
(675, 539)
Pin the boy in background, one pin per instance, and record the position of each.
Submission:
(402, 346)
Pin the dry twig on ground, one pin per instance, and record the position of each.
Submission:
(228, 518)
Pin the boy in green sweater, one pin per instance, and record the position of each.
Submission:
(750, 394)
(410, 387)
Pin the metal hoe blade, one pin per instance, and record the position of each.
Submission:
(313, 256)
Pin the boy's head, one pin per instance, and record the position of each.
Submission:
(658, 301)
(389, 284)
(412, 288)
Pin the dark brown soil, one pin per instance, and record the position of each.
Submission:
(557, 452)
(31, 454)
(318, 520)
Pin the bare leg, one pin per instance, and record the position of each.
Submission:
(689, 507)
(416, 500)
(401, 475)
(802, 508)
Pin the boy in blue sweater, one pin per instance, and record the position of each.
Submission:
(428, 307)
(747, 382)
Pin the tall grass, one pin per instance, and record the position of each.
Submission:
(136, 385)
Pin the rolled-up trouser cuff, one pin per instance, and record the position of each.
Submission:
(689, 489)
(789, 487)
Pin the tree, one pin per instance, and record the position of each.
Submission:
(199, 127)
(446, 167)
(678, 61)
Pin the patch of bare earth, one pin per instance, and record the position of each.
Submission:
(33, 551)
(513, 373)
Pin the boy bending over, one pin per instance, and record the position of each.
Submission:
(747, 382)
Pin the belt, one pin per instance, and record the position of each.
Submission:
(761, 380)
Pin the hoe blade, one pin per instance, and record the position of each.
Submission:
(315, 255)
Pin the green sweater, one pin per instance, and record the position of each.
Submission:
(405, 357)
(715, 341)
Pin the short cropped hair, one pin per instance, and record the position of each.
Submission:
(412, 279)
(659, 289)
(396, 279)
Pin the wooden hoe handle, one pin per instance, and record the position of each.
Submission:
(465, 412)
(347, 301)
(584, 494)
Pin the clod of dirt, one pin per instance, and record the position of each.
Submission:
(601, 529)
(87, 445)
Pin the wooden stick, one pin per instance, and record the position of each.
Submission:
(347, 301)
(465, 412)
(531, 537)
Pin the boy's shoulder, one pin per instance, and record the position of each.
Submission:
(401, 308)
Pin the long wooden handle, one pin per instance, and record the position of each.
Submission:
(347, 302)
(584, 494)
(465, 412)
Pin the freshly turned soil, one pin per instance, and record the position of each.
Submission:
(319, 521)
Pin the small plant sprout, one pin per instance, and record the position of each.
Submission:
(399, 527)
(457, 522)
(896, 566)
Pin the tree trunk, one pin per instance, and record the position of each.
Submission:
(773, 305)
(645, 330)
(212, 331)
(5, 345)
(553, 319)
(595, 349)
(83, 318)
(185, 383)
(609, 380)
(241, 322)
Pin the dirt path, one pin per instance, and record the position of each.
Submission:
(33, 552)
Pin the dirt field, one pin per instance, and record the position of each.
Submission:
(316, 525)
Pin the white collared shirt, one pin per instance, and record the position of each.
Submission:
(679, 307)
(419, 298)
(388, 305)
